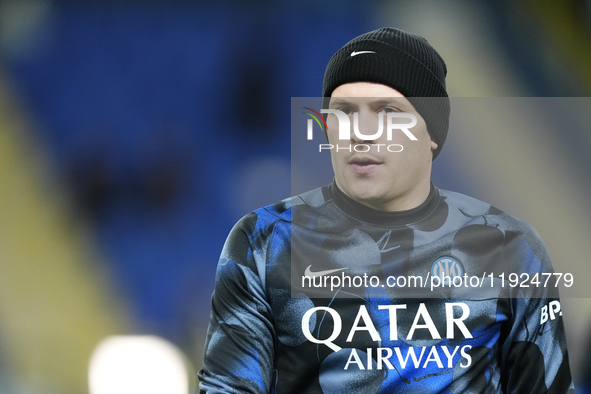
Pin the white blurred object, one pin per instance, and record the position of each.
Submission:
(137, 364)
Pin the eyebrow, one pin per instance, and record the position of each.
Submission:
(340, 102)
(400, 101)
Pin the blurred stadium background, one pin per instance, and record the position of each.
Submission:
(133, 134)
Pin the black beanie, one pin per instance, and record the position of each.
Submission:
(401, 60)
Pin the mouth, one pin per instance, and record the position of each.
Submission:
(364, 161)
(363, 165)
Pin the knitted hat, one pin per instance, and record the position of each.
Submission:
(401, 60)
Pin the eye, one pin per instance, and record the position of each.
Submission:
(346, 110)
(389, 109)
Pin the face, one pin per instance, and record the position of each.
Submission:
(374, 173)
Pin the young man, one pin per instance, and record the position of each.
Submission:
(293, 311)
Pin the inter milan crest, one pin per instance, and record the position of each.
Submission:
(446, 268)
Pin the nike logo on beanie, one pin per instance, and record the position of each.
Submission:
(355, 53)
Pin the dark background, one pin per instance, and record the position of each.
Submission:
(134, 134)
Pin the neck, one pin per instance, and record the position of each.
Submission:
(365, 213)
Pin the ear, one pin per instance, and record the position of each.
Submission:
(433, 145)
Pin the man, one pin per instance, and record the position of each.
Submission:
(293, 311)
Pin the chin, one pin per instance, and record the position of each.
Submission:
(365, 194)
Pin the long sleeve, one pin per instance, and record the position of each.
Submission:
(537, 359)
(239, 350)
(535, 352)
